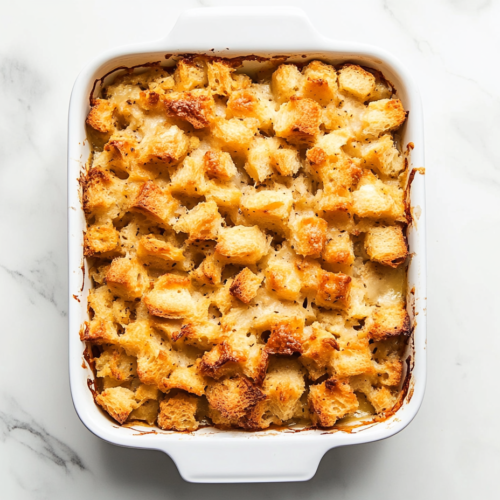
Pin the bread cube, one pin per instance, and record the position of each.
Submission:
(166, 145)
(242, 245)
(219, 165)
(269, 209)
(298, 120)
(170, 297)
(225, 195)
(115, 363)
(310, 274)
(320, 83)
(383, 116)
(196, 107)
(148, 411)
(335, 207)
(377, 200)
(286, 161)
(186, 378)
(245, 285)
(209, 271)
(100, 239)
(286, 336)
(308, 235)
(156, 252)
(283, 279)
(235, 134)
(338, 248)
(388, 321)
(146, 392)
(178, 413)
(382, 399)
(356, 81)
(390, 372)
(386, 245)
(154, 368)
(190, 73)
(259, 158)
(100, 117)
(203, 222)
(286, 82)
(127, 278)
(284, 385)
(331, 400)
(382, 155)
(202, 334)
(333, 291)
(155, 203)
(118, 402)
(220, 78)
(251, 103)
(103, 195)
(234, 398)
(354, 359)
(318, 352)
(189, 178)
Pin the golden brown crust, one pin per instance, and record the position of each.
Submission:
(245, 285)
(178, 413)
(387, 322)
(333, 290)
(197, 107)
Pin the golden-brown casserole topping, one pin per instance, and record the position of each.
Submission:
(246, 237)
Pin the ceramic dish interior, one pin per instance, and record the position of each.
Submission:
(210, 455)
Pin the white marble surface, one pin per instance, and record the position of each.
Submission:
(451, 450)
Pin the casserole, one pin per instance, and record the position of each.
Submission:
(210, 455)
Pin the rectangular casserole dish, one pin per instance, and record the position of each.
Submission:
(210, 455)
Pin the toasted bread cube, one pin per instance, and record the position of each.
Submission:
(156, 252)
(251, 103)
(188, 379)
(226, 196)
(234, 398)
(103, 194)
(382, 399)
(203, 222)
(386, 245)
(166, 145)
(310, 274)
(309, 235)
(259, 158)
(178, 413)
(155, 203)
(318, 352)
(286, 161)
(331, 400)
(354, 359)
(100, 117)
(284, 385)
(99, 331)
(220, 78)
(356, 81)
(333, 291)
(100, 239)
(390, 372)
(320, 83)
(286, 336)
(388, 321)
(283, 278)
(377, 200)
(219, 165)
(334, 207)
(196, 107)
(201, 334)
(148, 412)
(269, 209)
(153, 369)
(190, 74)
(382, 155)
(298, 120)
(330, 144)
(146, 392)
(209, 271)
(118, 402)
(383, 116)
(115, 363)
(189, 178)
(170, 297)
(335, 118)
(286, 82)
(245, 285)
(127, 278)
(242, 245)
(338, 248)
(235, 134)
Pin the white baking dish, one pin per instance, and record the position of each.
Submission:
(209, 455)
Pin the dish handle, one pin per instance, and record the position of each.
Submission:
(258, 29)
(248, 460)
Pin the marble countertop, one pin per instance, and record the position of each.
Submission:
(451, 450)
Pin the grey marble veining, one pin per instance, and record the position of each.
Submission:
(451, 450)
